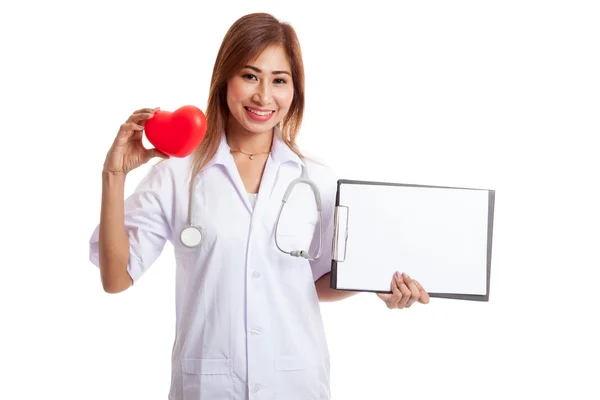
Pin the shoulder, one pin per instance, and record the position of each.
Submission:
(174, 167)
(318, 166)
(323, 174)
(167, 174)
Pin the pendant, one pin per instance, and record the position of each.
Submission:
(252, 156)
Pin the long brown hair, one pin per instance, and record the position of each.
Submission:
(244, 40)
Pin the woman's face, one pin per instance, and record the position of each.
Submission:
(260, 94)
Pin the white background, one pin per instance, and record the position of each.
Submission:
(500, 95)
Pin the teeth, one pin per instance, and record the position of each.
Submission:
(261, 113)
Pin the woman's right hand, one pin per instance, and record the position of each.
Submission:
(127, 151)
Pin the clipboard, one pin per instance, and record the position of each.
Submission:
(440, 236)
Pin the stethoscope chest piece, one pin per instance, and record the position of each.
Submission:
(191, 236)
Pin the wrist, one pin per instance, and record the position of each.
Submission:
(113, 176)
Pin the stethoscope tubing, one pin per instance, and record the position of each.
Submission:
(192, 230)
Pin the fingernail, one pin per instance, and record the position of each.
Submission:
(404, 275)
(397, 275)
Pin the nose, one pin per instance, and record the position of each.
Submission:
(263, 95)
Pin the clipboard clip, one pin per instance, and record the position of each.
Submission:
(340, 219)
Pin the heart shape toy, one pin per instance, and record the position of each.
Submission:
(176, 133)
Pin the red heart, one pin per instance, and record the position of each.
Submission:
(176, 133)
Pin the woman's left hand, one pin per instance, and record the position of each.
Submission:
(405, 292)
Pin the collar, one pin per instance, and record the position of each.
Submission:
(280, 152)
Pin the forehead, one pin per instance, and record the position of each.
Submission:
(273, 58)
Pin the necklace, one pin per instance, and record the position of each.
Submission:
(250, 155)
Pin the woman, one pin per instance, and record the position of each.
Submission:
(247, 318)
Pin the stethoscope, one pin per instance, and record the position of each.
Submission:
(191, 236)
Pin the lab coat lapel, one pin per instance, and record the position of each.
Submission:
(224, 158)
(265, 189)
(280, 153)
(268, 202)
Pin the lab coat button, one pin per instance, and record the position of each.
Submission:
(256, 274)
(257, 388)
(256, 331)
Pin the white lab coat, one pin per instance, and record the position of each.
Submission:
(248, 322)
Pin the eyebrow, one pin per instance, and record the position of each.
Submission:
(260, 71)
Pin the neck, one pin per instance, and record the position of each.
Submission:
(241, 139)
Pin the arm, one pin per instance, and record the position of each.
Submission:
(113, 243)
(327, 294)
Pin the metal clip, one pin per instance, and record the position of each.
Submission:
(336, 233)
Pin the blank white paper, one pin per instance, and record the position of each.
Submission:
(438, 236)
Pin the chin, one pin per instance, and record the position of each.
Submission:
(259, 131)
(258, 128)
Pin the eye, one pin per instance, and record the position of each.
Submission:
(249, 76)
(280, 81)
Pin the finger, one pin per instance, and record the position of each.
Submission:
(128, 129)
(423, 295)
(140, 118)
(396, 295)
(414, 291)
(137, 136)
(146, 110)
(405, 292)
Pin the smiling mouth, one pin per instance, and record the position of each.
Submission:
(261, 113)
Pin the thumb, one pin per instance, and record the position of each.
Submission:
(383, 296)
(151, 153)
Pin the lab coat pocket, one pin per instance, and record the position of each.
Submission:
(290, 363)
(205, 378)
(296, 233)
(297, 379)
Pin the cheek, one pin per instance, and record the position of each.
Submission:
(235, 94)
(285, 99)
(232, 99)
